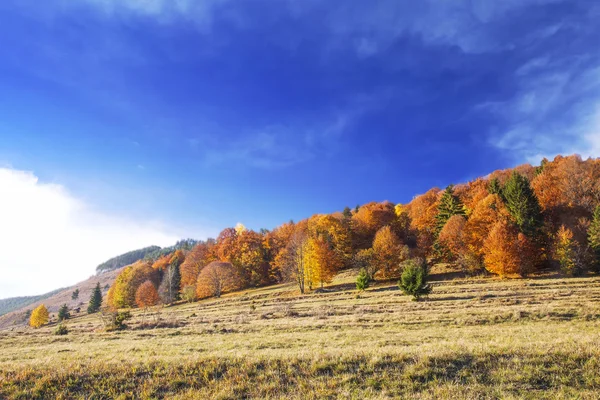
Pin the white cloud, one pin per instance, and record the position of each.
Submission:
(556, 110)
(50, 239)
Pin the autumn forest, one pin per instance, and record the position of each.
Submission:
(511, 223)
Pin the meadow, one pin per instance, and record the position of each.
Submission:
(480, 338)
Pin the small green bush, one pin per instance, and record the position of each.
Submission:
(362, 280)
(115, 320)
(414, 279)
(61, 330)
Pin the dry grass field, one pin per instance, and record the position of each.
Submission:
(473, 338)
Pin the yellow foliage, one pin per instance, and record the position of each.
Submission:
(39, 317)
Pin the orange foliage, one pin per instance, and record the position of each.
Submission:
(369, 219)
(452, 235)
(483, 217)
(199, 257)
(122, 293)
(162, 263)
(146, 295)
(507, 251)
(388, 252)
(217, 278)
(422, 212)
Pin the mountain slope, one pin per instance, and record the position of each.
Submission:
(126, 259)
(55, 299)
(15, 303)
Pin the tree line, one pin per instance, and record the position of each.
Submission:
(511, 223)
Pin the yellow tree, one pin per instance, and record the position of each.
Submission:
(293, 260)
(321, 262)
(388, 253)
(566, 252)
(123, 290)
(334, 232)
(39, 317)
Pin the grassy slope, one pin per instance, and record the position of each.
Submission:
(55, 299)
(473, 338)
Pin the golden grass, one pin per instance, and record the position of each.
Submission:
(472, 338)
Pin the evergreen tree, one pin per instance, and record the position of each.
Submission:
(63, 313)
(449, 206)
(523, 204)
(594, 239)
(414, 279)
(95, 300)
(75, 294)
(347, 213)
(362, 280)
(494, 187)
(540, 169)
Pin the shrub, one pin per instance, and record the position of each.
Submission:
(114, 320)
(362, 280)
(61, 330)
(188, 293)
(414, 279)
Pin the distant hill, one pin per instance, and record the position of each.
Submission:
(53, 300)
(15, 303)
(126, 259)
(184, 244)
(148, 253)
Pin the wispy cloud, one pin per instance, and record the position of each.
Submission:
(275, 146)
(555, 110)
(49, 234)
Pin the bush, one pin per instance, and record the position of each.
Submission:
(189, 293)
(362, 281)
(61, 330)
(414, 279)
(114, 320)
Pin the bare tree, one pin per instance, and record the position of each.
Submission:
(294, 260)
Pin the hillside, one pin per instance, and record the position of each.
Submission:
(16, 303)
(472, 338)
(60, 297)
(126, 259)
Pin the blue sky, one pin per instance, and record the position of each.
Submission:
(196, 115)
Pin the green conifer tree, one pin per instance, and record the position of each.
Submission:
(414, 279)
(63, 313)
(594, 240)
(494, 187)
(523, 204)
(347, 213)
(362, 280)
(450, 205)
(95, 300)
